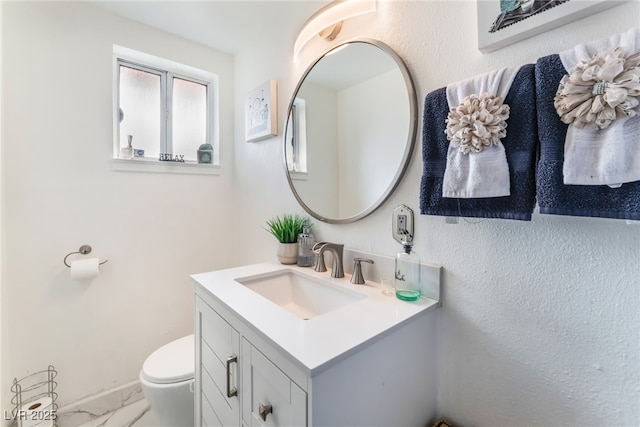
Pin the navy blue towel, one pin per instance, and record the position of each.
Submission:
(520, 146)
(553, 196)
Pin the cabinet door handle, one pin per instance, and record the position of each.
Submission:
(265, 410)
(231, 391)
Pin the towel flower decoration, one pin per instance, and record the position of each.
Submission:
(599, 91)
(478, 122)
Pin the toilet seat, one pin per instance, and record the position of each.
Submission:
(171, 363)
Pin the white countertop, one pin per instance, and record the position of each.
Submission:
(323, 339)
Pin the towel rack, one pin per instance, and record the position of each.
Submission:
(84, 250)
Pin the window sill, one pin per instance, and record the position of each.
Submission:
(298, 176)
(156, 166)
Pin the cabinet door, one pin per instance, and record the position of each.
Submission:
(270, 397)
(217, 371)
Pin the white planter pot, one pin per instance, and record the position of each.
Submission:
(287, 253)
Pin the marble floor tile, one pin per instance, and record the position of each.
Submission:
(135, 415)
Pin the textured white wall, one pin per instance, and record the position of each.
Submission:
(540, 324)
(59, 192)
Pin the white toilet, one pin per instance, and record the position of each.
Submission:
(167, 382)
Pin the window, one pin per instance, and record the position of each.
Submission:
(296, 137)
(166, 109)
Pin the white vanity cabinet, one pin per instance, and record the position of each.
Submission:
(270, 397)
(230, 377)
(372, 362)
(217, 379)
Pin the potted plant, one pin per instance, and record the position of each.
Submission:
(286, 229)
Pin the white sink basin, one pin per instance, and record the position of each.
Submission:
(303, 295)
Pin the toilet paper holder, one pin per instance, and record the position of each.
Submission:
(34, 399)
(84, 250)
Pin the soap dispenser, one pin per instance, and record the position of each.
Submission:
(306, 257)
(407, 273)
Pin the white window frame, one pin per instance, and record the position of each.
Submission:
(170, 69)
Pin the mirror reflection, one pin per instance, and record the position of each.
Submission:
(350, 131)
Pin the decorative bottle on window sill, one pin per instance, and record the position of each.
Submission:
(407, 273)
(306, 257)
(127, 152)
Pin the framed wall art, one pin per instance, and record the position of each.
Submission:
(261, 112)
(503, 22)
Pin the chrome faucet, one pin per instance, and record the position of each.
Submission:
(336, 254)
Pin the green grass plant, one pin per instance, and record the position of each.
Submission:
(286, 228)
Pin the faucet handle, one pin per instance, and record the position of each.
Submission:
(357, 278)
(319, 266)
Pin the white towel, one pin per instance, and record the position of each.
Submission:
(583, 52)
(609, 156)
(485, 173)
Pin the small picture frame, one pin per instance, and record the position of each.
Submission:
(501, 23)
(261, 112)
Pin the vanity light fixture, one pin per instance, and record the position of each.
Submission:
(327, 22)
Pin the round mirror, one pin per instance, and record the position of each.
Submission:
(350, 131)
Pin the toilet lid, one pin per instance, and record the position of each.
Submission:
(171, 363)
